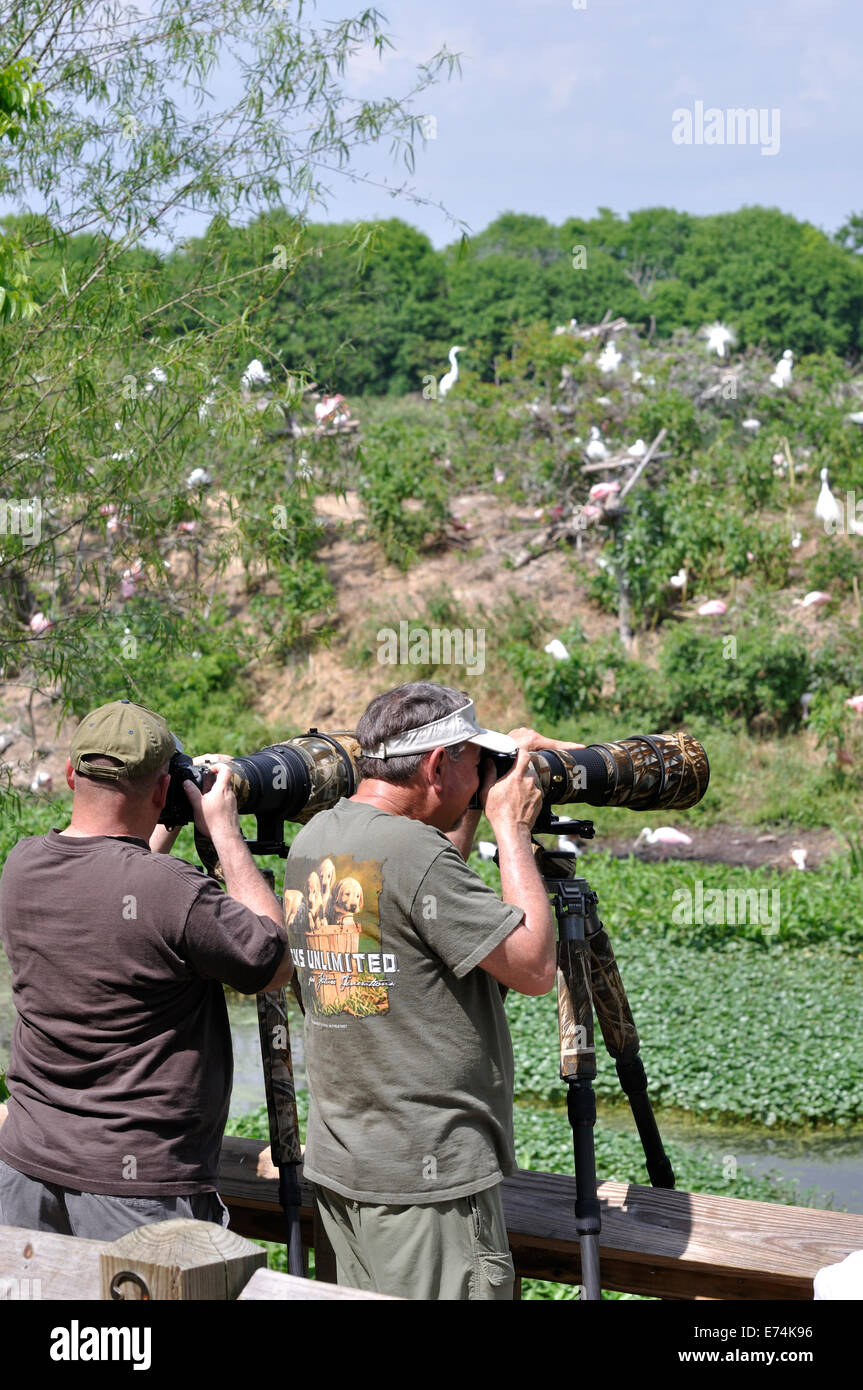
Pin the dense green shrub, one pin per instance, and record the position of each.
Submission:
(403, 490)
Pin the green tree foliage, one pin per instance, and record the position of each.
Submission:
(131, 376)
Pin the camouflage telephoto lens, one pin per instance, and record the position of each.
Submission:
(295, 780)
(645, 772)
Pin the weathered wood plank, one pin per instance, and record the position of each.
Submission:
(269, 1284)
(54, 1266)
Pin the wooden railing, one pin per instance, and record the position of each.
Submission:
(666, 1244)
(673, 1245)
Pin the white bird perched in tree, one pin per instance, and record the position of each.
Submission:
(827, 508)
(678, 580)
(596, 450)
(665, 835)
(159, 377)
(556, 649)
(199, 477)
(638, 449)
(753, 426)
(255, 374)
(718, 336)
(448, 381)
(486, 849)
(609, 359)
(781, 377)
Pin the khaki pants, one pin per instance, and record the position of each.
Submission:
(445, 1250)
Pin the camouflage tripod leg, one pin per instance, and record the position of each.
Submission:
(281, 1095)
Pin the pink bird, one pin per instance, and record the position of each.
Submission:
(814, 599)
(600, 492)
(713, 608)
(855, 703)
(327, 410)
(591, 512)
(108, 509)
(131, 578)
(39, 623)
(190, 527)
(665, 835)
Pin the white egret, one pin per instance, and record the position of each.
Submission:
(609, 359)
(448, 381)
(556, 649)
(718, 336)
(827, 509)
(781, 377)
(596, 450)
(665, 835)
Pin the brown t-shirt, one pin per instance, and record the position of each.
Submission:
(121, 1062)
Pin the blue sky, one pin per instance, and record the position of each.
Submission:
(561, 110)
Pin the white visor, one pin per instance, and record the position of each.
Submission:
(459, 727)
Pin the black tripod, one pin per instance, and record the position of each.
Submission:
(588, 979)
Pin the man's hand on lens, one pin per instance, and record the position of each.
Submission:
(533, 742)
(216, 811)
(514, 800)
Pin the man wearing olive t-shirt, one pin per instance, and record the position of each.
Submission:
(400, 950)
(121, 1064)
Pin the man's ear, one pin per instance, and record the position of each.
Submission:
(160, 792)
(70, 774)
(432, 765)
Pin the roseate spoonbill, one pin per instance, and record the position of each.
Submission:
(600, 492)
(713, 608)
(855, 703)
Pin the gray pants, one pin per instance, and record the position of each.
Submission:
(43, 1206)
(441, 1251)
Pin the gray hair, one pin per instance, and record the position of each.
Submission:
(396, 711)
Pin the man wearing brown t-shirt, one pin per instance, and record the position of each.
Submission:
(121, 1063)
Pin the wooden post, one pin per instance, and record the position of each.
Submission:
(178, 1260)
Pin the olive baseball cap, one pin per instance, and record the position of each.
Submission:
(138, 737)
